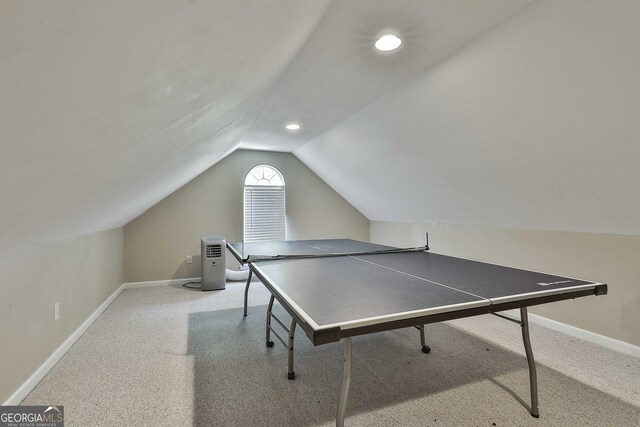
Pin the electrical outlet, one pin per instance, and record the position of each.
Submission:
(56, 311)
(189, 259)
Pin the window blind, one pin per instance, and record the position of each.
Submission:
(264, 213)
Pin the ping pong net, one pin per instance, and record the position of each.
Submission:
(261, 258)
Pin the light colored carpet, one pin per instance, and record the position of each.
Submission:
(170, 356)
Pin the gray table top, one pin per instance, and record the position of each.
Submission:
(357, 291)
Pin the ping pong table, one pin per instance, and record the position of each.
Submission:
(339, 288)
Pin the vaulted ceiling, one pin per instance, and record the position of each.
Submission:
(534, 126)
(108, 107)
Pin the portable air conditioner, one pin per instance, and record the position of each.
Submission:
(213, 264)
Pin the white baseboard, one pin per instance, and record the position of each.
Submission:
(35, 378)
(135, 285)
(611, 343)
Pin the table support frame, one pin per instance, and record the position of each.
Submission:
(533, 376)
(246, 291)
(346, 382)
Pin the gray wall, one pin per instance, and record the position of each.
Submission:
(157, 243)
(607, 258)
(79, 273)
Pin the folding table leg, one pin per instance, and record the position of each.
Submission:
(346, 383)
(533, 376)
(425, 347)
(268, 329)
(246, 291)
(292, 330)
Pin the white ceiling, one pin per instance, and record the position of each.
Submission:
(108, 107)
(338, 72)
(535, 125)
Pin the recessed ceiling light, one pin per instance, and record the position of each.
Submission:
(388, 42)
(292, 126)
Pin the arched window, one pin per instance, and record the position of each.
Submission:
(264, 204)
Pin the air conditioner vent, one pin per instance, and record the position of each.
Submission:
(212, 255)
(214, 251)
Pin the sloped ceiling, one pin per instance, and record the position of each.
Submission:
(338, 72)
(535, 125)
(108, 107)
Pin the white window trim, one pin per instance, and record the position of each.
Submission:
(264, 206)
